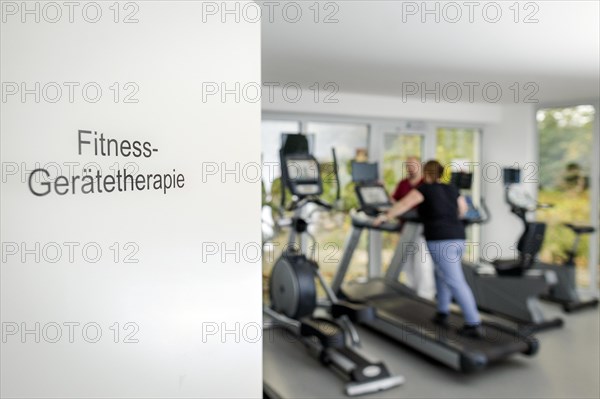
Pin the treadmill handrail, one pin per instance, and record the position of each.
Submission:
(362, 220)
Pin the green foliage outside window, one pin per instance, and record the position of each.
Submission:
(565, 154)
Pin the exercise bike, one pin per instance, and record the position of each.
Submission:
(564, 291)
(330, 337)
(514, 298)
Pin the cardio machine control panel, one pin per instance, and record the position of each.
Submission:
(374, 200)
(302, 175)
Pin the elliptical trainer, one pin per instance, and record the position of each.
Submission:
(293, 291)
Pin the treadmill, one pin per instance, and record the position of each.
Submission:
(404, 316)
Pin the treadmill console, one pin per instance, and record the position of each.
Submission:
(373, 198)
(461, 180)
(364, 172)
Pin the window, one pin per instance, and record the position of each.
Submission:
(565, 155)
(331, 228)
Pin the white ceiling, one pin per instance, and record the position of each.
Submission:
(372, 51)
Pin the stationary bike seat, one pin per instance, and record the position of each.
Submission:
(580, 229)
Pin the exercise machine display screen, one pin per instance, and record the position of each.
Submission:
(302, 175)
(511, 176)
(303, 170)
(364, 172)
(374, 196)
(461, 180)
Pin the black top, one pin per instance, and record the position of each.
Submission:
(439, 212)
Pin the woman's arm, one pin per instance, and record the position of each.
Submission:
(412, 199)
(462, 206)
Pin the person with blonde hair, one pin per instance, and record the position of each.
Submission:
(441, 208)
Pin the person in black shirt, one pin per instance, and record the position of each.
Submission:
(441, 208)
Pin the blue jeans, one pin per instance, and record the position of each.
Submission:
(449, 278)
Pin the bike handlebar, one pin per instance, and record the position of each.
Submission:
(310, 200)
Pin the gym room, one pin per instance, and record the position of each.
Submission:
(300, 199)
(506, 94)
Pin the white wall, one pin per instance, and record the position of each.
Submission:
(369, 106)
(157, 285)
(510, 142)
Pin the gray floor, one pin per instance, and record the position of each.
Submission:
(567, 366)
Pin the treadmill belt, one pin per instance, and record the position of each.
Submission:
(415, 314)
